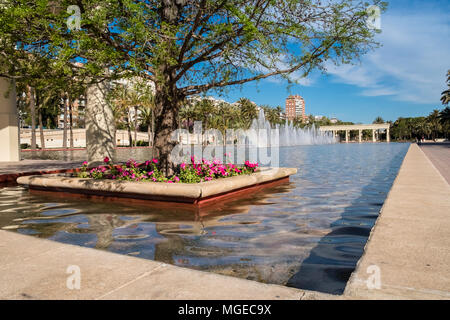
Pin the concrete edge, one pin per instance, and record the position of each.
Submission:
(406, 282)
(353, 276)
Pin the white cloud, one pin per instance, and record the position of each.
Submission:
(411, 65)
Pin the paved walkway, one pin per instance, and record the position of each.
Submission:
(32, 268)
(439, 154)
(9, 171)
(410, 243)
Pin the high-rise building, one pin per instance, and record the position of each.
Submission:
(295, 107)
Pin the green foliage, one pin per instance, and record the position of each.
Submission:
(199, 45)
(378, 120)
(185, 47)
(435, 125)
(189, 175)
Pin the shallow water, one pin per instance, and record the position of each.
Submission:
(308, 233)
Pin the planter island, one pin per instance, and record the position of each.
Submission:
(188, 193)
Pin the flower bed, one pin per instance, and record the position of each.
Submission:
(193, 172)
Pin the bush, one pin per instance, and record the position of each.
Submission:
(141, 143)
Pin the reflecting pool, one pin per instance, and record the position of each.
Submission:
(308, 233)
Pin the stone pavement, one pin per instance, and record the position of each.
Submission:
(9, 171)
(439, 154)
(410, 243)
(32, 268)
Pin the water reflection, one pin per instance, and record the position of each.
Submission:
(308, 233)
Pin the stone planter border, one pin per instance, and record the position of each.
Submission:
(196, 193)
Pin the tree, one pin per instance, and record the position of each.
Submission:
(434, 119)
(444, 117)
(272, 115)
(248, 111)
(121, 101)
(32, 105)
(378, 120)
(445, 98)
(188, 47)
(147, 107)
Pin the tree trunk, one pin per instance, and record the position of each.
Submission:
(130, 139)
(32, 102)
(153, 131)
(135, 125)
(167, 102)
(41, 130)
(65, 124)
(70, 123)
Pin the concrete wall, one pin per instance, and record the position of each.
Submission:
(54, 138)
(9, 132)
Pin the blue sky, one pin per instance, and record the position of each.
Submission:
(403, 78)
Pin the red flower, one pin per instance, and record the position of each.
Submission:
(106, 160)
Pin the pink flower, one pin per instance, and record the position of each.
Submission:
(155, 160)
(85, 163)
(183, 166)
(106, 160)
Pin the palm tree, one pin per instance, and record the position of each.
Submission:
(248, 111)
(446, 94)
(378, 120)
(32, 104)
(121, 103)
(434, 119)
(134, 97)
(444, 118)
(444, 115)
(65, 102)
(271, 115)
(147, 117)
(187, 113)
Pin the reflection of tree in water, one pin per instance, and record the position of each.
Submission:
(103, 225)
(187, 242)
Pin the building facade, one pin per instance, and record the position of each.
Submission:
(78, 107)
(295, 107)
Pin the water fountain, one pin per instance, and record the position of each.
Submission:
(262, 134)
